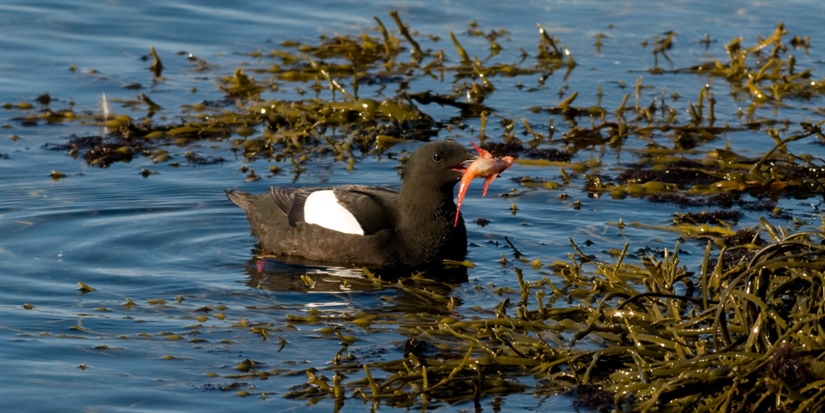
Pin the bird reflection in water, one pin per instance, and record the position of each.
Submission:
(426, 291)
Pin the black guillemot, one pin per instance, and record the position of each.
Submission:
(357, 225)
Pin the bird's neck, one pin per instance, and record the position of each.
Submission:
(413, 204)
(426, 225)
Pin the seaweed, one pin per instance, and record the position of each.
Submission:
(742, 331)
(645, 334)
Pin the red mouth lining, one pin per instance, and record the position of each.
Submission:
(461, 167)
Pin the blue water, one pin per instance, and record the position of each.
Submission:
(174, 234)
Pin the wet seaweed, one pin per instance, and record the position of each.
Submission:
(721, 216)
(200, 160)
(336, 119)
(646, 334)
(638, 332)
(742, 331)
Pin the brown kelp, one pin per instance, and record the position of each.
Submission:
(333, 119)
(741, 331)
(744, 335)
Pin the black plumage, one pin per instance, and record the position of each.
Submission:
(409, 228)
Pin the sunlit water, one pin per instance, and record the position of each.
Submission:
(174, 234)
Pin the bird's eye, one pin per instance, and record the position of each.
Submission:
(438, 157)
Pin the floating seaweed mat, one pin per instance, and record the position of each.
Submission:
(745, 335)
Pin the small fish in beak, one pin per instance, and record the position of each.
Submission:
(486, 167)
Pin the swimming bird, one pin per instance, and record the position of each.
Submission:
(356, 225)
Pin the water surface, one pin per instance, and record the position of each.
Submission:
(171, 243)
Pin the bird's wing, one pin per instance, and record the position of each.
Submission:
(374, 208)
(371, 207)
(285, 197)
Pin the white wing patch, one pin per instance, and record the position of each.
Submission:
(322, 208)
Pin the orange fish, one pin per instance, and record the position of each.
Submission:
(486, 167)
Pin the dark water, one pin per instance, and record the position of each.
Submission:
(174, 234)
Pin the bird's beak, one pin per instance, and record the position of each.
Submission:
(461, 167)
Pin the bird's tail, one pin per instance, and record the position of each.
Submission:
(239, 198)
